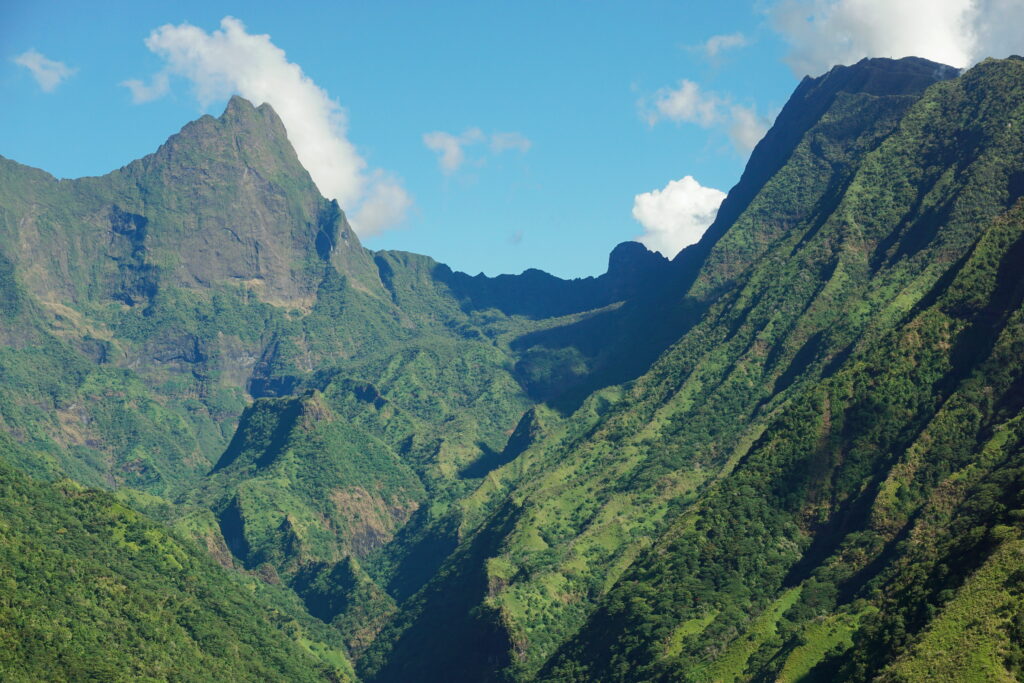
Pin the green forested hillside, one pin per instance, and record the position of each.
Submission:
(791, 453)
(860, 503)
(680, 506)
(91, 590)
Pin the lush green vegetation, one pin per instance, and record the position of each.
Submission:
(91, 590)
(835, 496)
(793, 453)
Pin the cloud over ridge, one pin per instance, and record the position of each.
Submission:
(823, 33)
(677, 215)
(231, 60)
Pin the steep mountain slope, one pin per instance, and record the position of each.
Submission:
(224, 200)
(871, 498)
(632, 503)
(831, 504)
(790, 453)
(166, 268)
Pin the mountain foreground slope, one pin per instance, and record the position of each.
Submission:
(793, 452)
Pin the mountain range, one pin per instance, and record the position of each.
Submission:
(237, 445)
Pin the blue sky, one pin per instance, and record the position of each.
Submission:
(555, 116)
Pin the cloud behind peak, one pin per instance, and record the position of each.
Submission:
(677, 215)
(231, 60)
(823, 33)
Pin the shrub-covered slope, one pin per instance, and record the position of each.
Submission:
(702, 508)
(91, 590)
(886, 472)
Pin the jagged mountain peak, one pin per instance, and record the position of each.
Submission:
(225, 201)
(243, 138)
(241, 113)
(240, 106)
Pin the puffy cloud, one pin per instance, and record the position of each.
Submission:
(47, 72)
(717, 44)
(689, 104)
(823, 33)
(451, 149)
(231, 60)
(677, 215)
(159, 86)
(685, 103)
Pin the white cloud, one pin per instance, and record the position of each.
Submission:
(501, 142)
(716, 44)
(683, 104)
(158, 86)
(231, 60)
(997, 27)
(451, 149)
(823, 33)
(677, 215)
(47, 72)
(747, 128)
(689, 104)
(384, 206)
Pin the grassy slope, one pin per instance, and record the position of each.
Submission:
(973, 636)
